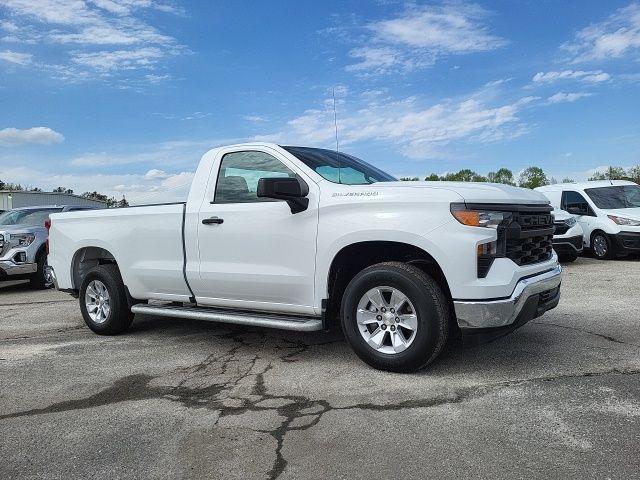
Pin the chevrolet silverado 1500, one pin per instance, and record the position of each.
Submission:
(296, 238)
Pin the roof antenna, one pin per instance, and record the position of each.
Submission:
(335, 123)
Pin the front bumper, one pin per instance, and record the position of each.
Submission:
(626, 241)
(568, 245)
(532, 296)
(9, 268)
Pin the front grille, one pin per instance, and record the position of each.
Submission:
(561, 228)
(529, 237)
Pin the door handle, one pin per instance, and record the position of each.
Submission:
(212, 220)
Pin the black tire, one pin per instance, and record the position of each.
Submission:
(431, 308)
(38, 280)
(568, 257)
(120, 316)
(608, 253)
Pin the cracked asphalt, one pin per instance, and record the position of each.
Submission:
(560, 397)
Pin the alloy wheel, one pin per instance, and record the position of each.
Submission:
(387, 320)
(98, 301)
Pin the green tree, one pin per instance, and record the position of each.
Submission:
(611, 173)
(464, 175)
(434, 177)
(409, 179)
(62, 190)
(568, 180)
(634, 174)
(533, 177)
(503, 175)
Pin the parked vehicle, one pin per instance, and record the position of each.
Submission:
(296, 237)
(568, 239)
(22, 243)
(608, 212)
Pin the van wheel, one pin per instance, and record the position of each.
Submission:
(395, 317)
(103, 301)
(601, 246)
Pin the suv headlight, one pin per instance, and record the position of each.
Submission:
(22, 239)
(570, 222)
(477, 218)
(624, 221)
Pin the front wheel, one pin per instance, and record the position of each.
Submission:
(42, 278)
(103, 301)
(395, 317)
(601, 246)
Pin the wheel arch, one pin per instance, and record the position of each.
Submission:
(87, 258)
(355, 257)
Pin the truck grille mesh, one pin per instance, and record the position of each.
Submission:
(529, 237)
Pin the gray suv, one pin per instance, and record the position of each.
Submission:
(23, 238)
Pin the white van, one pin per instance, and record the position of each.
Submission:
(607, 210)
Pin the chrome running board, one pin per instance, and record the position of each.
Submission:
(267, 320)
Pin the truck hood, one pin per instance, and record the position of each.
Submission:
(478, 192)
(20, 228)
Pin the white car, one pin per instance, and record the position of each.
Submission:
(297, 237)
(608, 212)
(568, 239)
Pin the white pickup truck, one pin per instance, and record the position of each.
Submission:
(297, 238)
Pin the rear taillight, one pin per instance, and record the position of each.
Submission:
(47, 225)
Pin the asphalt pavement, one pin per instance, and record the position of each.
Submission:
(558, 398)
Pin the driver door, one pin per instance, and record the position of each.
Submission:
(254, 253)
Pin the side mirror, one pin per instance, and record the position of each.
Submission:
(292, 190)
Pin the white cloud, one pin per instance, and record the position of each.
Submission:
(420, 35)
(15, 57)
(254, 118)
(614, 37)
(420, 131)
(36, 135)
(119, 28)
(155, 173)
(562, 97)
(137, 188)
(592, 76)
(105, 61)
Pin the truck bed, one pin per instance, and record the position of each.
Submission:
(146, 241)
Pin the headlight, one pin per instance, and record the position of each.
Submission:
(625, 221)
(477, 218)
(570, 222)
(22, 239)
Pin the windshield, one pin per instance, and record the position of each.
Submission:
(339, 167)
(27, 217)
(621, 196)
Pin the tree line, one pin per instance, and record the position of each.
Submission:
(531, 177)
(111, 202)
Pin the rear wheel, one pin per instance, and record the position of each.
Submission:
(103, 301)
(395, 317)
(601, 246)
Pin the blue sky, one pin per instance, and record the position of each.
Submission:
(124, 96)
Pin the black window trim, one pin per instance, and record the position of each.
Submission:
(259, 199)
(563, 203)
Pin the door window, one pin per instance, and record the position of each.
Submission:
(575, 199)
(239, 174)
